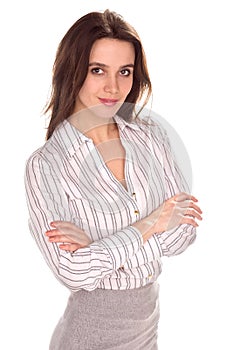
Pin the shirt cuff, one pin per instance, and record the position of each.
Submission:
(122, 245)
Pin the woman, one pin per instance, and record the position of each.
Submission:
(105, 196)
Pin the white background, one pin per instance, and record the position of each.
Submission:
(190, 54)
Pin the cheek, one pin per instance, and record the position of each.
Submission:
(126, 86)
(86, 90)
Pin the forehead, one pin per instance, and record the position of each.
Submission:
(106, 50)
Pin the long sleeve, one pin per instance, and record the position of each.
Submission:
(66, 180)
(178, 239)
(47, 201)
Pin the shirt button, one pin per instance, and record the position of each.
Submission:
(150, 276)
(134, 196)
(136, 212)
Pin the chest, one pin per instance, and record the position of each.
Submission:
(100, 204)
(113, 155)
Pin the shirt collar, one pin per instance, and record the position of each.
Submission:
(122, 123)
(70, 139)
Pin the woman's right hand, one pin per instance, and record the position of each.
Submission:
(70, 236)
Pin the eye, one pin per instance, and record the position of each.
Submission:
(97, 70)
(125, 72)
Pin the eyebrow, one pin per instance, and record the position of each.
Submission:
(106, 66)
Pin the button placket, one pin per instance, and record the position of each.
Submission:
(136, 211)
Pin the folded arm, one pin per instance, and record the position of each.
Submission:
(47, 202)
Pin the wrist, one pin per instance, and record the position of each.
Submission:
(146, 227)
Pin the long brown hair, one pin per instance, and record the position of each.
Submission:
(72, 59)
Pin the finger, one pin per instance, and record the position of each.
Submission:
(193, 214)
(60, 238)
(68, 228)
(51, 233)
(195, 207)
(190, 204)
(57, 223)
(189, 221)
(180, 197)
(56, 233)
(70, 247)
(63, 224)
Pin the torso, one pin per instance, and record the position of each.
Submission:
(113, 154)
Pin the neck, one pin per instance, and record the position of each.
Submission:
(94, 127)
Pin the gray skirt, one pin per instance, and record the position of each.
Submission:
(109, 319)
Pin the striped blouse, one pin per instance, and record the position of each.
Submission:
(67, 179)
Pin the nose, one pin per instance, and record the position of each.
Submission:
(111, 84)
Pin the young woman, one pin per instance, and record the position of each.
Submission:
(105, 196)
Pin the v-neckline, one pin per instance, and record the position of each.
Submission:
(110, 173)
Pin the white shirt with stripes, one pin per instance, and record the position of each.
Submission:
(67, 179)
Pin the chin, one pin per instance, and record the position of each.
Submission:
(105, 111)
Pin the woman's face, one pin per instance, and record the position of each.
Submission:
(109, 78)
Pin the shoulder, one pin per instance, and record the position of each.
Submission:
(43, 156)
(37, 161)
(55, 148)
(152, 125)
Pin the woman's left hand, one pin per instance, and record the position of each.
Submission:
(69, 235)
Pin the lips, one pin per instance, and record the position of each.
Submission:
(108, 101)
